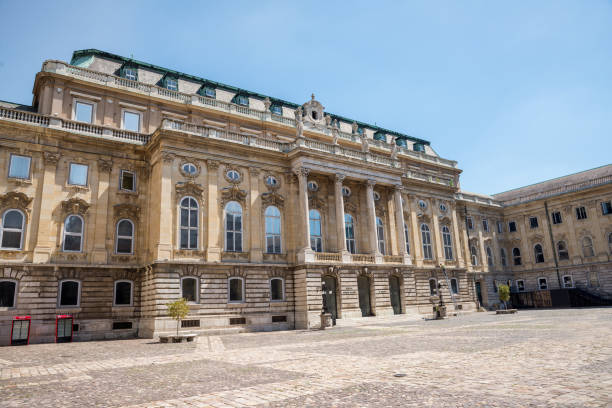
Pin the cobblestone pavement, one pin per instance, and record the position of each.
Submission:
(533, 359)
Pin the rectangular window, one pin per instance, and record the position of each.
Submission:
(533, 222)
(500, 227)
(69, 293)
(581, 213)
(469, 222)
(606, 207)
(235, 290)
(7, 293)
(520, 285)
(556, 217)
(485, 225)
(454, 286)
(276, 290)
(128, 181)
(189, 289)
(19, 166)
(83, 112)
(123, 293)
(122, 325)
(172, 84)
(130, 73)
(512, 226)
(131, 121)
(78, 174)
(568, 282)
(542, 283)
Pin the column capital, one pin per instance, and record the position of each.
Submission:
(51, 157)
(371, 183)
(398, 188)
(301, 171)
(105, 165)
(212, 164)
(168, 157)
(340, 178)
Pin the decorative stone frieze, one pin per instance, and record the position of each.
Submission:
(233, 193)
(51, 158)
(74, 205)
(17, 200)
(168, 157)
(272, 198)
(105, 165)
(189, 188)
(126, 210)
(212, 164)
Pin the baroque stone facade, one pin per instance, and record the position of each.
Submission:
(127, 186)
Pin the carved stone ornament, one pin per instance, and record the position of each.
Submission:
(13, 199)
(105, 165)
(51, 157)
(168, 157)
(272, 198)
(232, 193)
(229, 180)
(349, 207)
(212, 164)
(380, 211)
(313, 111)
(129, 211)
(189, 175)
(301, 171)
(267, 103)
(189, 188)
(75, 205)
(316, 202)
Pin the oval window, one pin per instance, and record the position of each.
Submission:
(443, 207)
(346, 191)
(190, 169)
(422, 204)
(376, 196)
(312, 186)
(271, 181)
(233, 175)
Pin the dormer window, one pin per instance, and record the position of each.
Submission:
(314, 115)
(401, 142)
(418, 147)
(241, 100)
(380, 136)
(360, 130)
(130, 73)
(171, 83)
(208, 91)
(276, 109)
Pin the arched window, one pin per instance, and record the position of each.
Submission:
(69, 293)
(315, 231)
(489, 256)
(426, 238)
(380, 235)
(8, 293)
(504, 260)
(454, 285)
(277, 289)
(273, 230)
(189, 289)
(123, 293)
(11, 231)
(189, 223)
(587, 247)
(516, 256)
(448, 243)
(236, 290)
(233, 227)
(349, 233)
(433, 287)
(474, 255)
(73, 234)
(124, 244)
(562, 251)
(538, 253)
(407, 237)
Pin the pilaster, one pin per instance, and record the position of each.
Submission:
(213, 251)
(255, 214)
(305, 253)
(341, 234)
(45, 242)
(100, 254)
(399, 224)
(164, 240)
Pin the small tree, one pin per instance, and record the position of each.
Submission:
(504, 294)
(178, 310)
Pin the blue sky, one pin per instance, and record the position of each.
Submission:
(516, 91)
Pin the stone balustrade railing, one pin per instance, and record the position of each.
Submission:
(363, 258)
(476, 199)
(63, 68)
(393, 259)
(24, 116)
(328, 257)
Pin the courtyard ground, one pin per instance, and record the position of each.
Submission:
(535, 358)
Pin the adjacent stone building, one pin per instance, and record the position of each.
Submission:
(127, 185)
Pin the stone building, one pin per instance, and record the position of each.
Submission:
(127, 185)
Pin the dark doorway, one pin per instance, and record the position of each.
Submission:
(329, 296)
(479, 293)
(394, 292)
(363, 285)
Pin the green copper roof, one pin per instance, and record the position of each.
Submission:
(81, 55)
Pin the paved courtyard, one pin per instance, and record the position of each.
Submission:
(536, 358)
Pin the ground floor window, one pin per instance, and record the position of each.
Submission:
(542, 283)
(69, 293)
(568, 282)
(236, 289)
(277, 292)
(8, 291)
(189, 289)
(454, 286)
(520, 285)
(123, 293)
(433, 287)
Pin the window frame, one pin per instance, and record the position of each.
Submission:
(282, 299)
(229, 285)
(591, 246)
(518, 257)
(571, 279)
(81, 234)
(540, 283)
(521, 287)
(451, 280)
(407, 238)
(15, 293)
(534, 222)
(433, 292)
(273, 235)
(448, 246)
(565, 251)
(469, 221)
(232, 172)
(233, 231)
(29, 177)
(21, 231)
(557, 218)
(70, 174)
(133, 71)
(131, 238)
(135, 112)
(189, 227)
(351, 243)
(318, 238)
(115, 304)
(538, 255)
(503, 257)
(60, 290)
(380, 235)
(485, 225)
(490, 258)
(94, 106)
(500, 227)
(171, 79)
(474, 255)
(427, 246)
(606, 208)
(121, 173)
(196, 287)
(512, 227)
(581, 213)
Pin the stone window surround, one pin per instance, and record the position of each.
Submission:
(540, 279)
(22, 232)
(134, 111)
(87, 100)
(242, 280)
(81, 234)
(131, 293)
(16, 282)
(132, 237)
(197, 289)
(571, 281)
(8, 175)
(521, 287)
(59, 293)
(121, 172)
(283, 298)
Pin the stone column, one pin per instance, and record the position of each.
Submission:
(417, 244)
(399, 223)
(255, 214)
(372, 221)
(45, 241)
(101, 219)
(213, 252)
(346, 257)
(165, 233)
(457, 237)
(305, 253)
(436, 235)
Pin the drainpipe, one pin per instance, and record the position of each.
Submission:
(552, 242)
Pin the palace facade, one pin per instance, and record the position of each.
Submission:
(126, 186)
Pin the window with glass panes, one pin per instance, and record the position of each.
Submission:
(316, 243)
(233, 227)
(273, 230)
(19, 167)
(349, 232)
(188, 223)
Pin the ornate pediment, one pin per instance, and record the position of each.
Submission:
(75, 205)
(13, 199)
(272, 198)
(349, 207)
(380, 211)
(125, 210)
(189, 188)
(316, 202)
(232, 193)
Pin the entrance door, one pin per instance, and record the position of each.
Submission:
(363, 285)
(329, 296)
(394, 292)
(479, 293)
